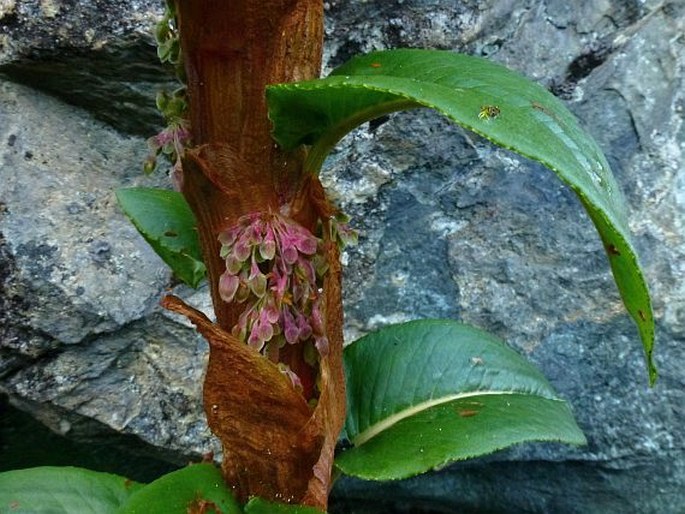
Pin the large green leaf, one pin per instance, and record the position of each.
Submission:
(426, 393)
(63, 490)
(488, 99)
(166, 222)
(186, 490)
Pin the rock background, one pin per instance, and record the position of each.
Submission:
(450, 225)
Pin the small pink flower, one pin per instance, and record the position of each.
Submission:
(305, 243)
(346, 235)
(233, 265)
(243, 292)
(280, 284)
(270, 313)
(265, 330)
(267, 248)
(228, 285)
(316, 319)
(171, 141)
(321, 344)
(255, 341)
(257, 280)
(241, 249)
(305, 268)
(304, 329)
(289, 252)
(240, 329)
(228, 237)
(290, 329)
(254, 232)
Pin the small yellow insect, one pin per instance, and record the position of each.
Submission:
(488, 111)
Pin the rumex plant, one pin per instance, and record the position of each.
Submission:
(248, 132)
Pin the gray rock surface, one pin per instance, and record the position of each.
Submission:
(450, 227)
(92, 54)
(80, 330)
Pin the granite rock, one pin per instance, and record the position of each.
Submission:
(93, 54)
(81, 333)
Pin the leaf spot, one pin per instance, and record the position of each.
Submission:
(642, 315)
(170, 233)
(375, 65)
(201, 506)
(612, 250)
(477, 361)
(467, 413)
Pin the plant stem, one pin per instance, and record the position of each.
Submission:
(232, 51)
(275, 445)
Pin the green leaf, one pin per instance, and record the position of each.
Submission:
(63, 490)
(488, 99)
(426, 393)
(261, 506)
(166, 222)
(175, 493)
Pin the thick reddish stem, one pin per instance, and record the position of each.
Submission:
(275, 445)
(232, 51)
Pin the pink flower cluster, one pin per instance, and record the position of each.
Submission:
(275, 266)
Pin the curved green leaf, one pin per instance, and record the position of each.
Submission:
(426, 393)
(166, 222)
(63, 490)
(488, 99)
(186, 490)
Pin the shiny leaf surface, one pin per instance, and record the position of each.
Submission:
(489, 99)
(426, 393)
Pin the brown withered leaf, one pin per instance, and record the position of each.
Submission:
(330, 411)
(270, 438)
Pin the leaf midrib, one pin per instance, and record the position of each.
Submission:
(383, 425)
